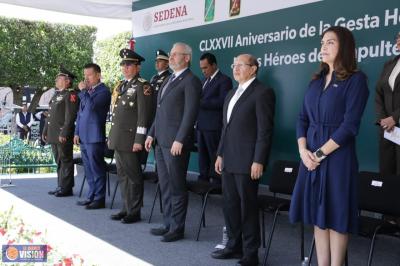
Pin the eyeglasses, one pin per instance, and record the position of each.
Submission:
(175, 54)
(240, 65)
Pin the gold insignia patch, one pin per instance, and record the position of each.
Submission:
(147, 90)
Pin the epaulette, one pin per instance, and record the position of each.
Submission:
(142, 80)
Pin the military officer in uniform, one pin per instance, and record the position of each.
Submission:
(59, 130)
(132, 115)
(162, 67)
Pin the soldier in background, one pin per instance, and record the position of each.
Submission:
(132, 114)
(59, 130)
(162, 67)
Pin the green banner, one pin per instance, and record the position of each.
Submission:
(286, 43)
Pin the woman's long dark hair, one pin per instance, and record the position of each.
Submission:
(345, 62)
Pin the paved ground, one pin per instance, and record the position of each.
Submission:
(111, 243)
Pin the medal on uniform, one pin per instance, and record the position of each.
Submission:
(130, 104)
(131, 90)
(59, 98)
(123, 102)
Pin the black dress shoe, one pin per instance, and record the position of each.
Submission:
(226, 253)
(159, 231)
(172, 236)
(83, 202)
(118, 216)
(52, 192)
(130, 219)
(63, 193)
(246, 261)
(97, 204)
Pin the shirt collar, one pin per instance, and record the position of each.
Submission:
(159, 73)
(247, 83)
(178, 73)
(215, 73)
(95, 86)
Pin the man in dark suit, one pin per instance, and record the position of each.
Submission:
(387, 108)
(172, 132)
(209, 121)
(90, 134)
(59, 131)
(242, 155)
(132, 114)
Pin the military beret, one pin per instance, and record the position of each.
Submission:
(64, 72)
(129, 56)
(160, 54)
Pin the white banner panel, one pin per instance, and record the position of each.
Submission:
(183, 14)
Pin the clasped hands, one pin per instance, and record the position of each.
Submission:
(387, 123)
(309, 159)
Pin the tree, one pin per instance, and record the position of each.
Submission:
(106, 54)
(31, 53)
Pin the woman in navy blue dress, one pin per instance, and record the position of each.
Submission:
(325, 194)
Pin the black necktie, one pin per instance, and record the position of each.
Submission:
(123, 87)
(206, 83)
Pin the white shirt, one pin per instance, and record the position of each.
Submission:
(18, 122)
(239, 91)
(159, 73)
(177, 74)
(394, 74)
(210, 78)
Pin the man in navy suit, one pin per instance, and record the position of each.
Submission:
(243, 152)
(172, 131)
(209, 121)
(95, 99)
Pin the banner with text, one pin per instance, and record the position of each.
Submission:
(285, 37)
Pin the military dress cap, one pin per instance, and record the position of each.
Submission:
(129, 56)
(64, 72)
(160, 54)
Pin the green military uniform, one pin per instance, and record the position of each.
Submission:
(60, 122)
(131, 114)
(131, 118)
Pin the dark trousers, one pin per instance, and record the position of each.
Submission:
(95, 169)
(24, 134)
(207, 147)
(241, 213)
(131, 181)
(389, 157)
(65, 165)
(172, 179)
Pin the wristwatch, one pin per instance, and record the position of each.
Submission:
(320, 154)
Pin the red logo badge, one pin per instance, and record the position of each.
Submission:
(72, 98)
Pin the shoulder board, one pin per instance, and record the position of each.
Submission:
(142, 80)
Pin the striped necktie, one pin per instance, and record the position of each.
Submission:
(171, 79)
